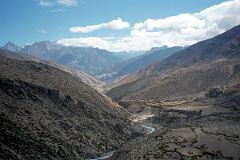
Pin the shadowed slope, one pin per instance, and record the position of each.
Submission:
(55, 114)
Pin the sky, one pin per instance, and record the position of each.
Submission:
(116, 25)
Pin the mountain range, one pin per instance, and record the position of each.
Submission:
(102, 64)
(137, 63)
(187, 73)
(86, 59)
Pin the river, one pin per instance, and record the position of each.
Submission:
(148, 128)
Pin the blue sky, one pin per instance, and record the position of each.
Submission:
(28, 21)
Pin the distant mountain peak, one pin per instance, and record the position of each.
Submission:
(159, 48)
(11, 47)
(47, 44)
(41, 48)
(155, 49)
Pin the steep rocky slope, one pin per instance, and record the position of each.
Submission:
(188, 72)
(47, 113)
(91, 81)
(225, 45)
(188, 82)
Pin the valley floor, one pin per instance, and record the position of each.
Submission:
(194, 129)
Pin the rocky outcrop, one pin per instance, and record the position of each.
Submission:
(214, 92)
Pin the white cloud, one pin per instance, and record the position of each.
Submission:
(89, 41)
(45, 3)
(182, 29)
(43, 31)
(110, 43)
(50, 3)
(117, 24)
(68, 3)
